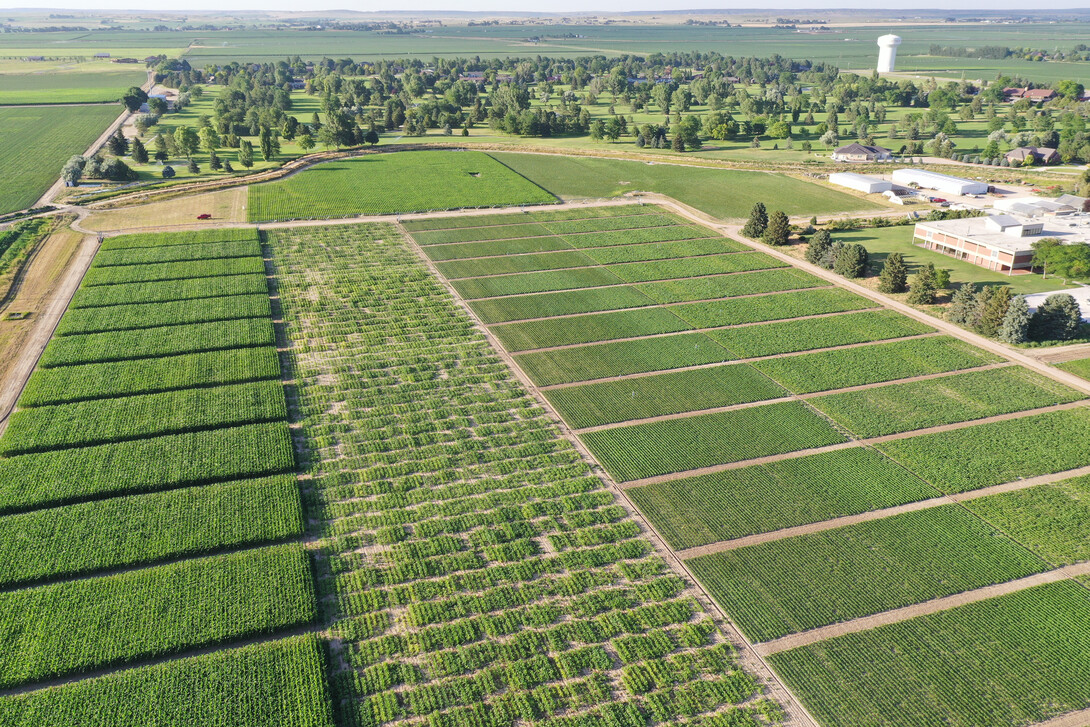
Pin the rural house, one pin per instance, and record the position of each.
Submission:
(862, 153)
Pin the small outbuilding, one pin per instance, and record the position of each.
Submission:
(862, 153)
(860, 182)
(939, 182)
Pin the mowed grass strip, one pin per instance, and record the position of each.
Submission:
(70, 475)
(149, 375)
(543, 305)
(152, 315)
(191, 237)
(536, 282)
(758, 499)
(770, 308)
(725, 286)
(734, 262)
(795, 584)
(621, 358)
(177, 253)
(1012, 660)
(996, 452)
(440, 253)
(173, 271)
(155, 342)
(65, 628)
(838, 369)
(216, 688)
(506, 264)
(664, 250)
(480, 234)
(86, 423)
(588, 328)
(1051, 520)
(124, 531)
(669, 393)
(771, 339)
(960, 398)
(169, 290)
(659, 448)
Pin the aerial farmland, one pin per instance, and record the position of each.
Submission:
(418, 369)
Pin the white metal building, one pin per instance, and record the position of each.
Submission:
(1034, 206)
(860, 182)
(938, 182)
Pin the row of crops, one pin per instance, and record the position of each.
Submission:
(476, 571)
(150, 507)
(733, 397)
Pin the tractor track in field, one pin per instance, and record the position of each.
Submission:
(904, 613)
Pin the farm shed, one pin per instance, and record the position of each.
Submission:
(860, 182)
(940, 182)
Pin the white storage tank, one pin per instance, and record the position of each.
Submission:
(860, 182)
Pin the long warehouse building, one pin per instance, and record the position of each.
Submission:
(860, 182)
(938, 182)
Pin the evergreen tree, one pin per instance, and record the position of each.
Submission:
(214, 161)
(994, 311)
(193, 168)
(118, 144)
(139, 152)
(679, 143)
(246, 153)
(778, 231)
(922, 290)
(1057, 319)
(961, 305)
(894, 275)
(819, 246)
(1015, 326)
(851, 261)
(757, 222)
(980, 304)
(168, 172)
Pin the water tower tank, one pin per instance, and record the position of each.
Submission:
(887, 54)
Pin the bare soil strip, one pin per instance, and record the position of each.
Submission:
(1080, 718)
(920, 609)
(839, 522)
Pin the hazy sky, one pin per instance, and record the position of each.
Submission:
(506, 5)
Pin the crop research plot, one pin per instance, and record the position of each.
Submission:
(765, 422)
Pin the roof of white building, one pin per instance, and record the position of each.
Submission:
(979, 230)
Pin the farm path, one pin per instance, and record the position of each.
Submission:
(796, 714)
(840, 522)
(1081, 718)
(896, 615)
(44, 324)
(1064, 353)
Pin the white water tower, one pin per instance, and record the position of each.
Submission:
(887, 55)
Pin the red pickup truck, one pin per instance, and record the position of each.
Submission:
(205, 216)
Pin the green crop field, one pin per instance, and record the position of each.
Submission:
(387, 183)
(646, 450)
(720, 193)
(543, 305)
(997, 452)
(726, 505)
(810, 372)
(112, 275)
(839, 330)
(964, 397)
(1020, 658)
(582, 363)
(506, 264)
(670, 393)
(538, 282)
(174, 253)
(165, 291)
(770, 307)
(726, 286)
(733, 262)
(1050, 519)
(75, 87)
(169, 313)
(664, 250)
(35, 144)
(588, 329)
(1080, 367)
(791, 585)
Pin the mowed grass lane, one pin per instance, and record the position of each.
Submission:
(138, 445)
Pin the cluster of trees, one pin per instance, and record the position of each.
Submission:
(774, 230)
(994, 311)
(849, 260)
(96, 167)
(1051, 256)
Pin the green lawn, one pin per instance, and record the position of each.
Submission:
(719, 192)
(36, 142)
(390, 183)
(90, 85)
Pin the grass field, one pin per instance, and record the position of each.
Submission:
(38, 141)
(1080, 367)
(94, 84)
(389, 183)
(721, 193)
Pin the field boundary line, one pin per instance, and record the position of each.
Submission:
(904, 613)
(560, 235)
(577, 249)
(748, 657)
(869, 442)
(845, 520)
